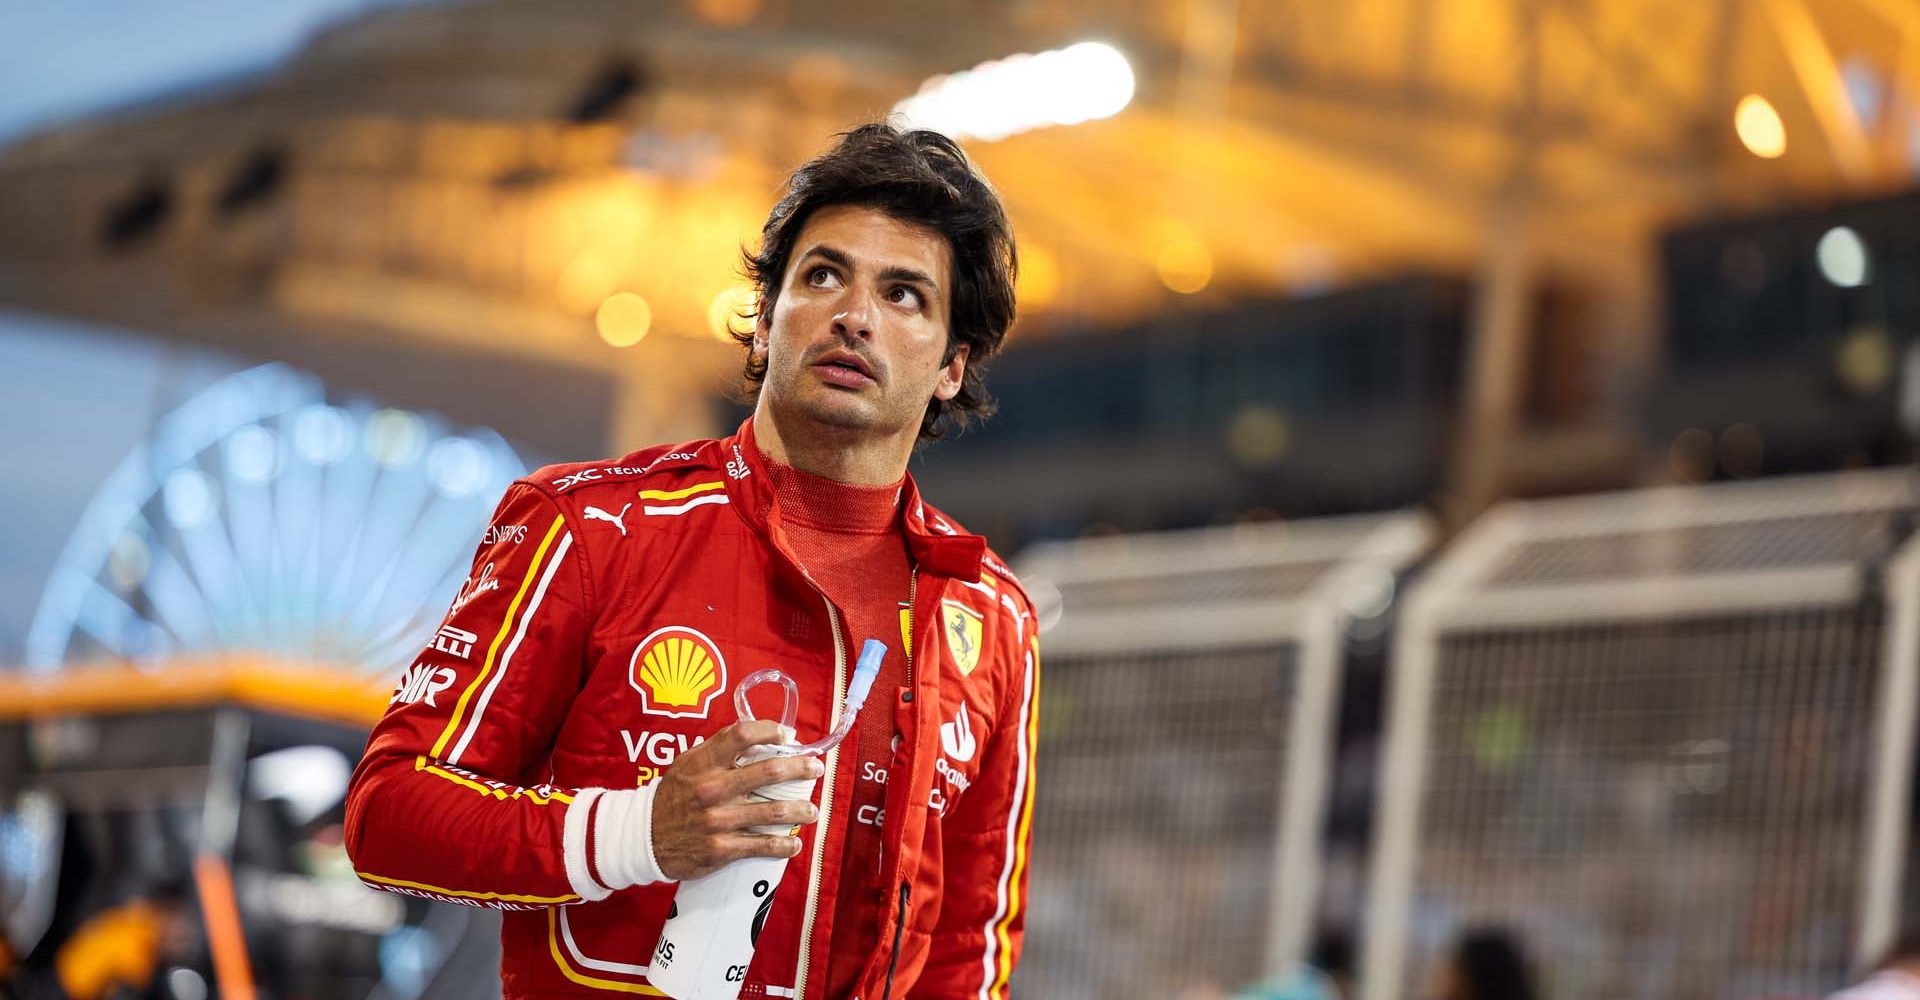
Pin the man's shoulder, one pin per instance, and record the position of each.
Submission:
(660, 468)
(998, 567)
(995, 572)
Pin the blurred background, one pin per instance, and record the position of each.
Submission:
(1463, 453)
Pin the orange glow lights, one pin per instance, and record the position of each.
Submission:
(1185, 265)
(623, 320)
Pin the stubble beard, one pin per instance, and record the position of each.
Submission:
(815, 403)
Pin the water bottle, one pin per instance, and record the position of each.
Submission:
(716, 920)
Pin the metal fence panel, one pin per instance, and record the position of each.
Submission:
(1154, 828)
(1662, 735)
(1663, 809)
(1185, 729)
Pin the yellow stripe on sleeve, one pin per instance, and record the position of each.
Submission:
(678, 494)
(504, 897)
(506, 628)
(421, 764)
(1020, 843)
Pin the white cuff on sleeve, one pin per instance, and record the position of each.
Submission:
(573, 845)
(620, 852)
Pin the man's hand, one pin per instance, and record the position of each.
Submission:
(701, 813)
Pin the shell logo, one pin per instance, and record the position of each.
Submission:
(678, 672)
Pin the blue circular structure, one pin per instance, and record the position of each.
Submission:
(263, 518)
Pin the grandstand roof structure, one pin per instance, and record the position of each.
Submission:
(481, 175)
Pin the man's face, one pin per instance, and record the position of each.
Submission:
(859, 331)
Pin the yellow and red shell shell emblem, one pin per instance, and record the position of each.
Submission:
(678, 672)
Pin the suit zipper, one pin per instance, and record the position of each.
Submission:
(900, 920)
(826, 788)
(899, 924)
(826, 802)
(913, 594)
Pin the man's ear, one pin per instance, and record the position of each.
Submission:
(760, 336)
(953, 375)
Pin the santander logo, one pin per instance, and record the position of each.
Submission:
(956, 737)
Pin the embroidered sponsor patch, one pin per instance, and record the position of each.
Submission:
(678, 672)
(962, 627)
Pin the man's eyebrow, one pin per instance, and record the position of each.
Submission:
(832, 254)
(909, 275)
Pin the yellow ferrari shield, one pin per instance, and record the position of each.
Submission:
(962, 628)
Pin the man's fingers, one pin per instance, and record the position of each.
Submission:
(734, 846)
(734, 740)
(751, 814)
(773, 770)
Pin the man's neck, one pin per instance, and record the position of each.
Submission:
(840, 454)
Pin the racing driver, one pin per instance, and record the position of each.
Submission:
(565, 747)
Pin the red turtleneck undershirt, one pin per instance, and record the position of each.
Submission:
(849, 540)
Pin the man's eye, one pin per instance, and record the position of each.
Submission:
(904, 294)
(819, 276)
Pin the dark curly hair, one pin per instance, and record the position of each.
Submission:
(922, 178)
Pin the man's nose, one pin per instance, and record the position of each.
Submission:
(855, 318)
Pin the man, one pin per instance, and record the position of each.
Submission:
(565, 748)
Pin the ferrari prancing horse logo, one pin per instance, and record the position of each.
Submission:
(961, 625)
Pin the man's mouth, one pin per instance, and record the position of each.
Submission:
(844, 376)
(845, 369)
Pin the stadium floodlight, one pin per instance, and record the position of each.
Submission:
(1843, 257)
(994, 100)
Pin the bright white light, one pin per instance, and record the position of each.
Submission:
(313, 779)
(394, 437)
(1104, 78)
(1758, 124)
(322, 434)
(186, 984)
(188, 500)
(253, 454)
(1370, 598)
(1843, 257)
(997, 99)
(457, 467)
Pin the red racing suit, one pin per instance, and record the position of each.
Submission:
(610, 609)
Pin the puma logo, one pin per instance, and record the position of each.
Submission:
(617, 520)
